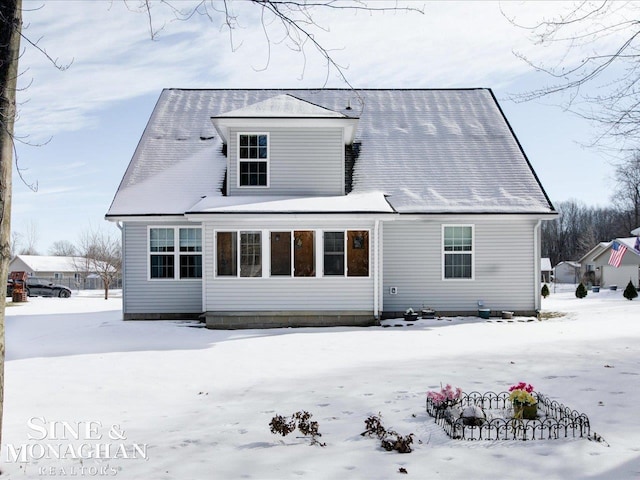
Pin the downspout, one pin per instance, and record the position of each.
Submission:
(537, 268)
(376, 268)
(120, 226)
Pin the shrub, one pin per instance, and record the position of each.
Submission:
(630, 291)
(389, 439)
(302, 420)
(545, 291)
(581, 291)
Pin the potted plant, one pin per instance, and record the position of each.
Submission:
(525, 405)
(410, 315)
(428, 313)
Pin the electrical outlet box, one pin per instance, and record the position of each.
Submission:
(393, 290)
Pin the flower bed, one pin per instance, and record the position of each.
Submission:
(493, 418)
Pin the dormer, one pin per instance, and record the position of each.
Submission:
(285, 146)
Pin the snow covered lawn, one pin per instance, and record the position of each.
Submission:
(197, 403)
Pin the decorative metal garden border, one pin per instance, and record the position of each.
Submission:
(554, 420)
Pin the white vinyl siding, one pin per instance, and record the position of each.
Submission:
(142, 295)
(302, 161)
(504, 264)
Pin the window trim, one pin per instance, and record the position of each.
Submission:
(345, 252)
(472, 252)
(267, 160)
(239, 232)
(176, 253)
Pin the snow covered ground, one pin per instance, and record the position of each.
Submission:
(189, 403)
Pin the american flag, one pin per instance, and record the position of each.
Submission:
(617, 252)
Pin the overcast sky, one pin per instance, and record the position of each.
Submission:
(92, 115)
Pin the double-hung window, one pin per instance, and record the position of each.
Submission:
(253, 160)
(168, 262)
(334, 253)
(457, 242)
(190, 252)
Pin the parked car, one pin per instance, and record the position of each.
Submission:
(41, 287)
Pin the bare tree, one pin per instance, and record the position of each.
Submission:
(15, 243)
(10, 28)
(598, 75)
(289, 22)
(626, 196)
(30, 238)
(101, 254)
(578, 229)
(62, 248)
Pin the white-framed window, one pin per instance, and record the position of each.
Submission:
(292, 253)
(346, 253)
(175, 253)
(253, 159)
(243, 249)
(457, 252)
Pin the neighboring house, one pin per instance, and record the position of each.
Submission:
(596, 270)
(545, 270)
(261, 208)
(567, 272)
(73, 272)
(48, 266)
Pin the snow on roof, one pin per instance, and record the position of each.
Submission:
(604, 247)
(630, 243)
(570, 263)
(429, 151)
(50, 263)
(545, 264)
(357, 203)
(283, 106)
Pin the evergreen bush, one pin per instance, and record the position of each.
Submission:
(581, 291)
(545, 291)
(630, 291)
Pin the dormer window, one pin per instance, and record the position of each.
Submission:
(253, 160)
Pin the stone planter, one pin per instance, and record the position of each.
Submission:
(428, 314)
(507, 315)
(411, 317)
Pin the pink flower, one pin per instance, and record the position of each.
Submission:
(527, 387)
(446, 396)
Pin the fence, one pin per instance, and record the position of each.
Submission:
(554, 420)
(89, 283)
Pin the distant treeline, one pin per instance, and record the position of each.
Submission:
(578, 228)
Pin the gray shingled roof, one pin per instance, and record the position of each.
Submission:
(430, 151)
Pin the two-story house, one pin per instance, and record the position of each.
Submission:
(263, 208)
